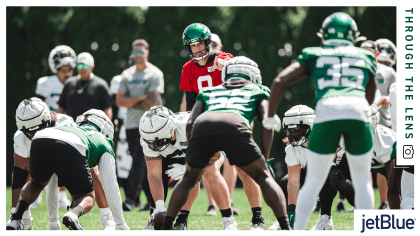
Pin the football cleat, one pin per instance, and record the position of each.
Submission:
(324, 223)
(54, 225)
(180, 225)
(258, 223)
(123, 226)
(351, 209)
(108, 222)
(149, 225)
(71, 221)
(28, 223)
(127, 205)
(275, 226)
(235, 211)
(14, 225)
(340, 207)
(229, 223)
(211, 211)
(384, 206)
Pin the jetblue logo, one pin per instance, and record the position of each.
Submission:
(385, 221)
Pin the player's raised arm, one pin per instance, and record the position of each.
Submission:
(288, 76)
(266, 136)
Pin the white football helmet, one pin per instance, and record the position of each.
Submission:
(298, 122)
(387, 51)
(157, 127)
(374, 116)
(241, 67)
(60, 56)
(32, 115)
(98, 118)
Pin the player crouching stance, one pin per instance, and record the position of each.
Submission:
(79, 149)
(221, 118)
(164, 143)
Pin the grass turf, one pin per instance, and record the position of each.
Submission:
(136, 219)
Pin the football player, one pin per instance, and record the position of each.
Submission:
(297, 122)
(22, 145)
(164, 143)
(62, 61)
(80, 149)
(345, 85)
(204, 70)
(221, 117)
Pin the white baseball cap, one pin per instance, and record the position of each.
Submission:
(215, 38)
(85, 58)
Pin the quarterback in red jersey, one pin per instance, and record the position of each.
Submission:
(204, 68)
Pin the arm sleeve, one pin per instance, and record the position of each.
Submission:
(110, 185)
(190, 97)
(157, 83)
(42, 88)
(185, 83)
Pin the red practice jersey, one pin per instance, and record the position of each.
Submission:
(194, 78)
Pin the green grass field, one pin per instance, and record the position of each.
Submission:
(136, 220)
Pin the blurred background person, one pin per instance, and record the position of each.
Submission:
(140, 89)
(62, 61)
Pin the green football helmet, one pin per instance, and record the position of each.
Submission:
(338, 29)
(196, 33)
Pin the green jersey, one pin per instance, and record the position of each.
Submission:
(239, 100)
(97, 144)
(341, 70)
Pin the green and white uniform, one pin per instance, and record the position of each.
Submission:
(50, 87)
(340, 75)
(99, 152)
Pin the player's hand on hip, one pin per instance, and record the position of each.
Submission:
(272, 123)
(176, 172)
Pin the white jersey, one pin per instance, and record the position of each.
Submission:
(178, 149)
(393, 104)
(22, 145)
(385, 76)
(384, 138)
(296, 156)
(50, 87)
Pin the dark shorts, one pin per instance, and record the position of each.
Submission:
(240, 150)
(49, 156)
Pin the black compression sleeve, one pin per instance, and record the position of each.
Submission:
(190, 98)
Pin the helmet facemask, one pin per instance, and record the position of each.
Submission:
(297, 133)
(207, 47)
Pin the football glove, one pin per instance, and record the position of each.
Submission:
(176, 172)
(160, 207)
(269, 162)
(291, 214)
(272, 123)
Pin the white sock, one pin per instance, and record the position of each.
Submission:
(13, 210)
(341, 201)
(317, 171)
(62, 195)
(360, 174)
(26, 214)
(105, 211)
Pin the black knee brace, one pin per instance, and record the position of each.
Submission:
(19, 177)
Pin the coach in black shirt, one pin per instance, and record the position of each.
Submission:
(85, 91)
